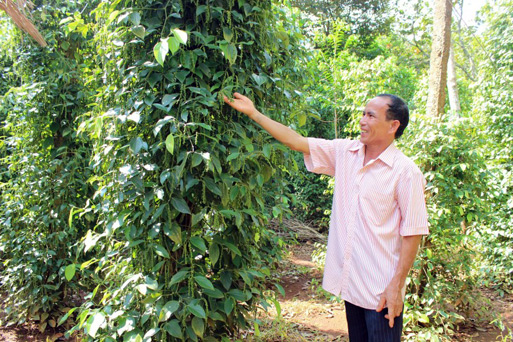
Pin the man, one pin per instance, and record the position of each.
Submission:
(378, 216)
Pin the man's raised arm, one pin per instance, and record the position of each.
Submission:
(280, 132)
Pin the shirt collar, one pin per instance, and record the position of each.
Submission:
(387, 156)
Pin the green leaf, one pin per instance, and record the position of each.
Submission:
(182, 75)
(245, 276)
(256, 328)
(226, 279)
(198, 325)
(234, 191)
(179, 276)
(173, 328)
(238, 295)
(168, 99)
(142, 288)
(162, 122)
(158, 266)
(232, 156)
(229, 52)
(161, 251)
(66, 316)
(200, 9)
(469, 217)
(276, 212)
(213, 252)
(135, 117)
(228, 213)
(150, 333)
(302, 119)
(197, 310)
(133, 336)
(227, 34)
(181, 36)
(429, 253)
(267, 150)
(259, 79)
(69, 272)
(217, 164)
(135, 18)
(170, 143)
(199, 243)
(161, 50)
(423, 318)
(280, 289)
(139, 31)
(113, 15)
(232, 248)
(168, 309)
(174, 233)
(228, 305)
(215, 293)
(197, 217)
(211, 185)
(216, 315)
(174, 45)
(162, 108)
(196, 159)
(180, 205)
(190, 183)
(94, 323)
(278, 307)
(204, 282)
(137, 144)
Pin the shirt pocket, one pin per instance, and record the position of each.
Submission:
(378, 207)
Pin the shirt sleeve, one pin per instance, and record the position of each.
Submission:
(412, 203)
(322, 157)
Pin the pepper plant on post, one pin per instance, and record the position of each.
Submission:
(184, 185)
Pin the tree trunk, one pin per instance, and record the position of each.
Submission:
(439, 56)
(452, 85)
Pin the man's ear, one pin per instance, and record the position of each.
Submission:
(394, 126)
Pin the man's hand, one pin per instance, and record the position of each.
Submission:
(280, 132)
(393, 299)
(242, 104)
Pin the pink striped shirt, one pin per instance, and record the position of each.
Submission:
(373, 207)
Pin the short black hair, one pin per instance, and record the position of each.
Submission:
(397, 110)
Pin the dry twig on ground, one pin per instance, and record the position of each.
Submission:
(302, 230)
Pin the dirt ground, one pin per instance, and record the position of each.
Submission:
(29, 333)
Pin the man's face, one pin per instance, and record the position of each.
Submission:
(375, 129)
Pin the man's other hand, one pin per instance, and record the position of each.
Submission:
(391, 298)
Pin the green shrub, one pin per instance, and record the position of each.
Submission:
(493, 107)
(44, 179)
(445, 271)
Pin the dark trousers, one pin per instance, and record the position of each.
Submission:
(371, 326)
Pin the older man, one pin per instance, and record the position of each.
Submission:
(378, 216)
